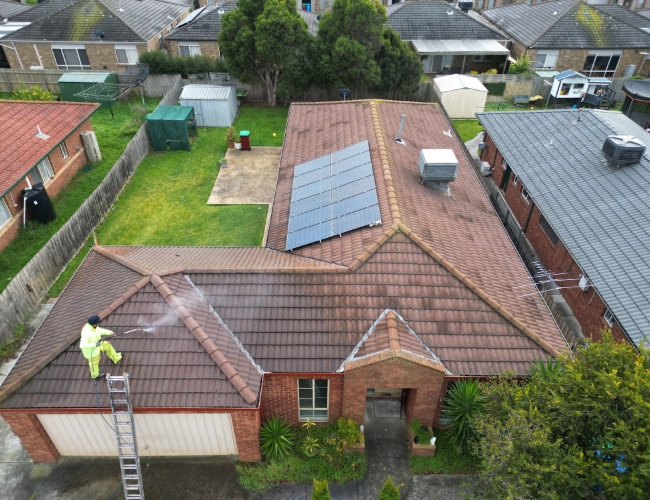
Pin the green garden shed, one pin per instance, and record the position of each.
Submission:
(73, 83)
(170, 127)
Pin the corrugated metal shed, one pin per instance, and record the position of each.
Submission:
(456, 82)
(461, 96)
(214, 105)
(459, 47)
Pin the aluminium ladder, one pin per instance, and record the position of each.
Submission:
(127, 445)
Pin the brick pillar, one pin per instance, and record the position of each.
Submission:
(247, 427)
(32, 435)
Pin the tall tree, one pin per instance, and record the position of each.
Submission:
(400, 67)
(265, 40)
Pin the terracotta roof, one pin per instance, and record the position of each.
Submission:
(21, 148)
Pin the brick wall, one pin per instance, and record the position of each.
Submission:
(247, 426)
(424, 386)
(280, 397)
(632, 56)
(210, 49)
(32, 436)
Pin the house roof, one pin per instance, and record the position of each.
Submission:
(9, 9)
(77, 20)
(204, 27)
(307, 310)
(430, 21)
(568, 25)
(600, 213)
(459, 47)
(449, 83)
(643, 13)
(21, 148)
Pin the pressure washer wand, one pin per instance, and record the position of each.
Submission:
(135, 330)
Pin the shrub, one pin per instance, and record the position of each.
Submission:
(422, 433)
(276, 437)
(310, 446)
(161, 63)
(389, 491)
(33, 94)
(491, 71)
(495, 88)
(348, 430)
(521, 66)
(230, 135)
(320, 491)
(463, 403)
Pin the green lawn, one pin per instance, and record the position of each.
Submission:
(446, 460)
(112, 141)
(467, 129)
(263, 123)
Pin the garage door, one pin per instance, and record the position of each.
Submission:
(158, 434)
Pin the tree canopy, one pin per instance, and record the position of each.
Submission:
(576, 429)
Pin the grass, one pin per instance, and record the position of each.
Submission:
(9, 349)
(330, 463)
(111, 143)
(467, 129)
(446, 460)
(263, 123)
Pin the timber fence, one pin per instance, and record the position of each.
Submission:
(32, 283)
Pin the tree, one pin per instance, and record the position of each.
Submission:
(320, 491)
(265, 40)
(463, 403)
(520, 67)
(389, 491)
(400, 67)
(575, 430)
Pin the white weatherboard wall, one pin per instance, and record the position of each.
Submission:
(214, 105)
(158, 434)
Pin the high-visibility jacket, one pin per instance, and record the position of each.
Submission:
(89, 338)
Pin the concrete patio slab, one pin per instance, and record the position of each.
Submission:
(249, 178)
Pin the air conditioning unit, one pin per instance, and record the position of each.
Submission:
(465, 5)
(623, 150)
(438, 167)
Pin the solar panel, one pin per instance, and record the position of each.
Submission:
(332, 195)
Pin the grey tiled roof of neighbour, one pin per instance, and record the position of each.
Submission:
(564, 25)
(599, 212)
(10, 9)
(644, 13)
(77, 20)
(430, 21)
(205, 28)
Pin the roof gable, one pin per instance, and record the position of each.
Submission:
(206, 27)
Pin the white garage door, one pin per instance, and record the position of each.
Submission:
(158, 434)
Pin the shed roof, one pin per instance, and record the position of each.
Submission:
(84, 77)
(171, 113)
(206, 92)
(206, 26)
(569, 74)
(459, 47)
(456, 82)
(21, 148)
(599, 212)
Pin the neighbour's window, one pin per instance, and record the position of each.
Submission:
(313, 399)
(601, 63)
(189, 50)
(71, 57)
(482, 58)
(552, 235)
(126, 54)
(609, 317)
(5, 214)
(64, 150)
(546, 59)
(515, 180)
(526, 195)
(42, 172)
(504, 164)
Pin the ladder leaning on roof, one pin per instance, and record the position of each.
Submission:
(127, 445)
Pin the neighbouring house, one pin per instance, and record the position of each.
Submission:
(8, 10)
(447, 39)
(596, 40)
(197, 34)
(83, 35)
(403, 290)
(633, 5)
(50, 158)
(586, 220)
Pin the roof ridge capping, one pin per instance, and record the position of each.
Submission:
(122, 260)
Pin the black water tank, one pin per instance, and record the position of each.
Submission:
(39, 206)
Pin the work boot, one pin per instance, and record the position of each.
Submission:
(101, 375)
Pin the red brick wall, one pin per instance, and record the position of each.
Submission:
(247, 426)
(280, 396)
(32, 436)
(424, 384)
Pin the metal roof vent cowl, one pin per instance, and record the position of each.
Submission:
(465, 5)
(438, 167)
(623, 150)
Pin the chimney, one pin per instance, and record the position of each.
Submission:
(398, 139)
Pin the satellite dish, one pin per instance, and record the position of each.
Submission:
(345, 94)
(99, 34)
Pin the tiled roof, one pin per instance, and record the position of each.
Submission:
(430, 21)
(206, 27)
(77, 20)
(9, 9)
(568, 24)
(21, 150)
(644, 13)
(600, 213)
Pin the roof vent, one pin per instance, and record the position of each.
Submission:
(623, 149)
(465, 5)
(41, 135)
(438, 167)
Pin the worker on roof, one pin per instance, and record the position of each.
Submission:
(92, 345)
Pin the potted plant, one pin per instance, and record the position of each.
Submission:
(231, 137)
(223, 163)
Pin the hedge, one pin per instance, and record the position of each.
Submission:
(495, 88)
(161, 63)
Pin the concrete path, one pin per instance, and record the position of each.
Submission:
(249, 178)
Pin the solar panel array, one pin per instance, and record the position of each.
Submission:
(331, 195)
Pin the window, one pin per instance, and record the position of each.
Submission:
(515, 180)
(189, 50)
(42, 172)
(71, 57)
(313, 399)
(64, 150)
(601, 63)
(549, 230)
(482, 58)
(609, 317)
(526, 195)
(5, 214)
(126, 54)
(547, 59)
(504, 164)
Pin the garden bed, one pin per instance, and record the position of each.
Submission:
(446, 459)
(423, 448)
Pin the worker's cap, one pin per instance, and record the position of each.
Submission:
(93, 320)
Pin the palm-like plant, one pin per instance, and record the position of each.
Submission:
(310, 446)
(276, 437)
(463, 402)
(549, 371)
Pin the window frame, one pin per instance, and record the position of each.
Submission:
(313, 397)
(547, 54)
(189, 46)
(64, 150)
(611, 319)
(129, 50)
(546, 227)
(526, 195)
(504, 164)
(4, 207)
(75, 67)
(602, 53)
(515, 179)
(48, 165)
